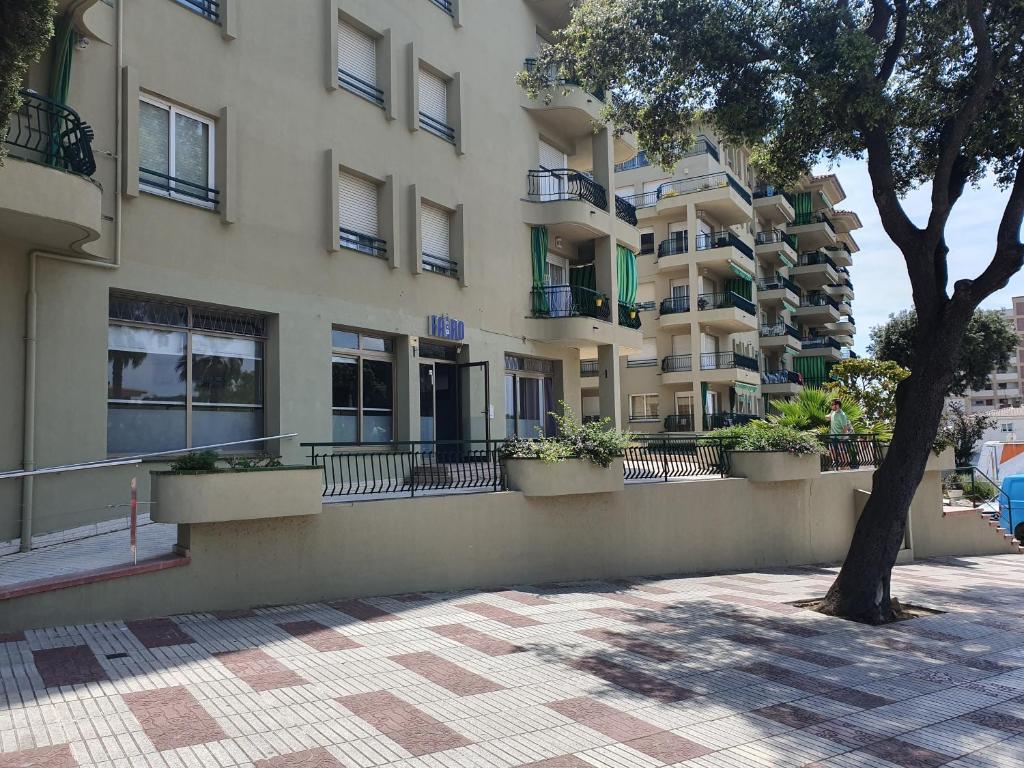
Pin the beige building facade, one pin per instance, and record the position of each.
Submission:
(1005, 388)
(226, 221)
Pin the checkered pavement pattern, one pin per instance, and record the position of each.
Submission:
(716, 671)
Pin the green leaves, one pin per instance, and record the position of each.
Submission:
(769, 436)
(595, 441)
(27, 27)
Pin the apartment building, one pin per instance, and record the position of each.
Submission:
(226, 221)
(744, 290)
(1005, 387)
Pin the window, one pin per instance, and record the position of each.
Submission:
(362, 387)
(176, 153)
(647, 240)
(444, 5)
(208, 8)
(643, 407)
(435, 224)
(357, 63)
(647, 355)
(358, 202)
(1006, 426)
(433, 92)
(180, 376)
(529, 396)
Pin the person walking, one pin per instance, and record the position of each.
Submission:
(839, 431)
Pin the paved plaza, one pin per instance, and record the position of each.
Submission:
(712, 671)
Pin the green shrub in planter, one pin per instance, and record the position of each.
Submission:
(595, 441)
(768, 436)
(979, 489)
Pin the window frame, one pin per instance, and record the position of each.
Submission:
(432, 125)
(646, 415)
(361, 354)
(368, 91)
(212, 12)
(213, 195)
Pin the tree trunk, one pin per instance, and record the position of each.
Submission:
(861, 591)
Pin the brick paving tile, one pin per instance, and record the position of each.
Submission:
(791, 715)
(639, 602)
(172, 718)
(768, 605)
(242, 613)
(43, 757)
(793, 652)
(310, 758)
(158, 633)
(640, 647)
(403, 723)
(668, 747)
(446, 673)
(525, 598)
(809, 684)
(497, 613)
(1000, 721)
(906, 755)
(319, 637)
(476, 640)
(11, 637)
(646, 620)
(259, 669)
(604, 719)
(565, 761)
(359, 609)
(634, 680)
(844, 733)
(788, 627)
(73, 665)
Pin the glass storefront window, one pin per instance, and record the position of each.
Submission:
(362, 388)
(529, 401)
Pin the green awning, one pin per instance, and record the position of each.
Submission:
(740, 272)
(743, 387)
(789, 306)
(785, 259)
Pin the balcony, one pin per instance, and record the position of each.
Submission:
(672, 252)
(821, 346)
(815, 269)
(813, 230)
(47, 198)
(721, 361)
(720, 194)
(724, 254)
(780, 335)
(625, 210)
(642, 200)
(843, 290)
(845, 327)
(569, 203)
(727, 419)
(679, 422)
(773, 204)
(715, 367)
(818, 309)
(776, 247)
(840, 255)
(588, 368)
(702, 146)
(726, 311)
(676, 369)
(576, 315)
(778, 291)
(629, 315)
(781, 383)
(675, 313)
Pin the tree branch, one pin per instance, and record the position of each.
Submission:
(897, 224)
(881, 13)
(892, 53)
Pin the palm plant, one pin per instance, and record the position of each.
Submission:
(810, 409)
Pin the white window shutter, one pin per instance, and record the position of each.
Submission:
(433, 96)
(435, 225)
(357, 53)
(551, 157)
(357, 205)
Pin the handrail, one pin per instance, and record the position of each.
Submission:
(136, 459)
(548, 184)
(555, 77)
(625, 210)
(52, 134)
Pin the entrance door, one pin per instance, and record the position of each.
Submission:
(556, 281)
(439, 402)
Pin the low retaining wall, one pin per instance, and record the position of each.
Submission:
(453, 542)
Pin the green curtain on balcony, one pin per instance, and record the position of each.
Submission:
(813, 369)
(583, 277)
(539, 260)
(802, 208)
(627, 275)
(703, 394)
(740, 287)
(63, 47)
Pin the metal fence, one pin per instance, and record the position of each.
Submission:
(850, 452)
(43, 131)
(665, 457)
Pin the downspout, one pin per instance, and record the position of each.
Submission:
(28, 443)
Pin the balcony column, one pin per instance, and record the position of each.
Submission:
(407, 389)
(604, 163)
(695, 351)
(606, 276)
(608, 384)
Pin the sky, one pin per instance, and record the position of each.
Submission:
(879, 274)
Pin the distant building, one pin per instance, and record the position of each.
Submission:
(1009, 426)
(1005, 386)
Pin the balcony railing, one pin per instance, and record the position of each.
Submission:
(646, 306)
(357, 241)
(672, 246)
(781, 377)
(775, 236)
(817, 217)
(679, 422)
(848, 354)
(724, 300)
(722, 179)
(360, 87)
(810, 258)
(556, 77)
(778, 283)
(208, 8)
(726, 419)
(436, 127)
(707, 240)
(568, 301)
(625, 210)
(819, 300)
(53, 134)
(767, 190)
(820, 342)
(550, 184)
(173, 186)
(780, 329)
(442, 265)
(588, 368)
(643, 199)
(675, 304)
(629, 315)
(712, 361)
(651, 415)
(677, 364)
(444, 5)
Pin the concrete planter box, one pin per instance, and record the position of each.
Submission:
(945, 460)
(773, 466)
(534, 477)
(219, 497)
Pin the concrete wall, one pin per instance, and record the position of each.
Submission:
(454, 542)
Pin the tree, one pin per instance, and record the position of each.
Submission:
(872, 385)
(27, 27)
(929, 91)
(963, 430)
(989, 344)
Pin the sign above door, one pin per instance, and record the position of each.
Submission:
(445, 327)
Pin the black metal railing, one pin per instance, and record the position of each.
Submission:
(444, 5)
(441, 265)
(848, 354)
(358, 469)
(639, 160)
(767, 190)
(675, 304)
(778, 283)
(360, 87)
(664, 457)
(817, 217)
(819, 300)
(550, 184)
(841, 250)
(711, 361)
(819, 342)
(437, 127)
(625, 210)
(706, 240)
(677, 364)
(647, 306)
(975, 485)
(588, 368)
(722, 179)
(357, 241)
(568, 301)
(673, 246)
(53, 134)
(775, 236)
(679, 422)
(727, 419)
(780, 328)
(723, 300)
(643, 199)
(850, 452)
(651, 415)
(556, 76)
(208, 8)
(629, 315)
(155, 181)
(641, 362)
(646, 244)
(810, 258)
(781, 377)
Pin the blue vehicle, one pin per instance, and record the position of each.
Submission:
(1011, 505)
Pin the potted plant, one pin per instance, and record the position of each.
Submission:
(632, 313)
(952, 484)
(764, 452)
(599, 301)
(199, 489)
(580, 458)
